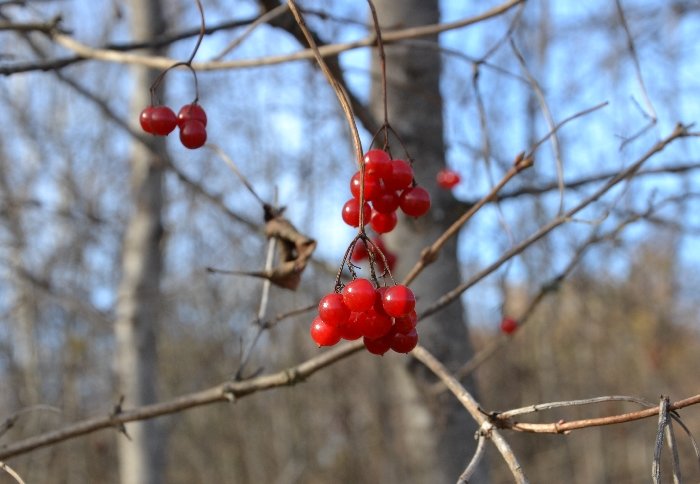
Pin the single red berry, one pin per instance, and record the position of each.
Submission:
(372, 186)
(351, 212)
(378, 346)
(189, 112)
(447, 178)
(415, 201)
(374, 324)
(193, 134)
(145, 119)
(332, 310)
(509, 325)
(398, 301)
(403, 343)
(404, 324)
(163, 120)
(401, 175)
(384, 222)
(359, 295)
(386, 201)
(323, 333)
(351, 330)
(378, 163)
(359, 251)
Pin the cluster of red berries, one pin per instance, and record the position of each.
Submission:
(192, 121)
(385, 317)
(448, 179)
(389, 185)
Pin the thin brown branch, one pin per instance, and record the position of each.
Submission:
(224, 392)
(679, 132)
(471, 405)
(157, 62)
(563, 427)
(430, 253)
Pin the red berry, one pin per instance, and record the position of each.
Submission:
(378, 346)
(351, 330)
(332, 310)
(189, 112)
(323, 333)
(403, 343)
(398, 301)
(385, 202)
(404, 324)
(372, 186)
(145, 119)
(401, 175)
(359, 251)
(378, 163)
(351, 212)
(509, 325)
(415, 201)
(163, 120)
(359, 295)
(447, 178)
(374, 324)
(384, 222)
(193, 134)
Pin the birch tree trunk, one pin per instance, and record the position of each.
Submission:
(438, 432)
(140, 457)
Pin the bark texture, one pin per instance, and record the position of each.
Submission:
(439, 431)
(140, 456)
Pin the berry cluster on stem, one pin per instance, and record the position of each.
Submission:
(384, 317)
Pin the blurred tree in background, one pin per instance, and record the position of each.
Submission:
(106, 235)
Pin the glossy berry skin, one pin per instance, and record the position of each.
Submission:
(404, 324)
(332, 310)
(401, 175)
(378, 163)
(509, 325)
(189, 112)
(351, 212)
(374, 324)
(447, 178)
(415, 201)
(403, 343)
(323, 333)
(163, 120)
(351, 330)
(359, 295)
(378, 346)
(398, 301)
(372, 186)
(385, 202)
(193, 134)
(384, 222)
(145, 119)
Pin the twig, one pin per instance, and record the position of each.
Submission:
(429, 254)
(659, 443)
(265, 17)
(679, 132)
(548, 118)
(571, 403)
(224, 392)
(158, 62)
(563, 427)
(471, 405)
(471, 467)
(650, 112)
(11, 472)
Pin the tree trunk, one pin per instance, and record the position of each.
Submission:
(439, 432)
(140, 456)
